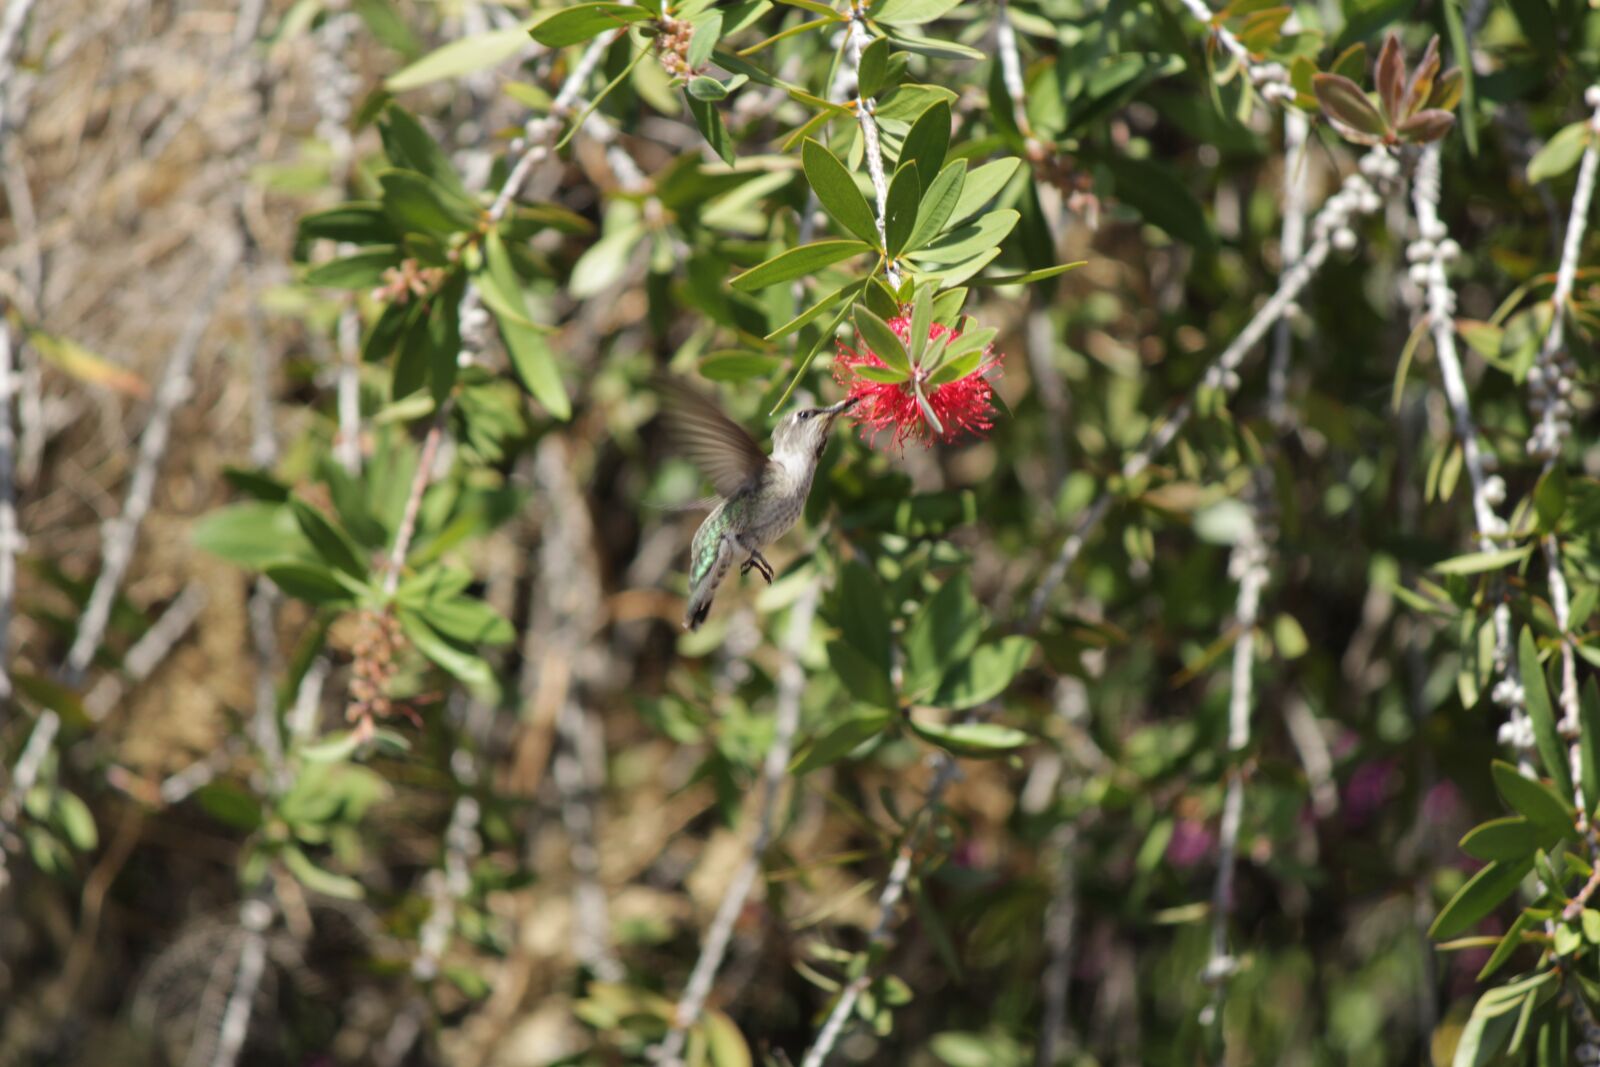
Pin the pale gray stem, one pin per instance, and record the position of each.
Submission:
(1292, 243)
(888, 901)
(13, 26)
(347, 445)
(120, 534)
(1551, 402)
(147, 653)
(10, 532)
(855, 42)
(1315, 756)
(255, 917)
(1248, 566)
(791, 687)
(1429, 255)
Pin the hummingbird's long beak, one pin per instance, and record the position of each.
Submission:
(841, 407)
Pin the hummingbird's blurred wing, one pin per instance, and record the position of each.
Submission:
(720, 447)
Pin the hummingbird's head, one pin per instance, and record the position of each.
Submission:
(805, 432)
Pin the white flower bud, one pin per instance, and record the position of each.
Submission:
(1417, 251)
(1344, 239)
(1419, 273)
(1494, 491)
(1449, 249)
(1591, 96)
(1434, 230)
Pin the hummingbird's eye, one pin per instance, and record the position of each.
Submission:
(805, 414)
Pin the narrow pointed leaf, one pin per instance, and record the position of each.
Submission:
(837, 191)
(797, 263)
(1536, 695)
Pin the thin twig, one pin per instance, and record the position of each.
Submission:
(1248, 566)
(1292, 244)
(791, 687)
(147, 653)
(255, 917)
(12, 31)
(888, 901)
(1270, 78)
(10, 533)
(1550, 386)
(121, 533)
(1429, 255)
(855, 43)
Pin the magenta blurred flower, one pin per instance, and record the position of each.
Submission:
(1192, 841)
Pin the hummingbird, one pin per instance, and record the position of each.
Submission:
(759, 497)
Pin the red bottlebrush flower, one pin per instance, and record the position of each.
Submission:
(962, 406)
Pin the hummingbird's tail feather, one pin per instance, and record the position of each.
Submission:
(704, 591)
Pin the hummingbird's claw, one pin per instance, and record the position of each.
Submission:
(760, 564)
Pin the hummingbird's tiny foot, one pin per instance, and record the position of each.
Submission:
(760, 564)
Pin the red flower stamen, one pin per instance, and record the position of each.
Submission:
(963, 406)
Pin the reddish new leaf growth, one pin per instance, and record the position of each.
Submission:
(962, 407)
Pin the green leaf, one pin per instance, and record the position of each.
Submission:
(1550, 498)
(985, 674)
(973, 239)
(581, 22)
(332, 545)
(861, 614)
(1561, 153)
(864, 679)
(933, 48)
(359, 270)
(1552, 753)
(927, 143)
(408, 145)
(1589, 741)
(1510, 838)
(308, 581)
(1508, 944)
(908, 101)
(885, 375)
(251, 534)
(707, 32)
(910, 12)
(76, 821)
(709, 120)
(938, 205)
(1030, 277)
(738, 366)
(467, 620)
(360, 222)
(842, 739)
(797, 263)
(708, 89)
(332, 748)
(528, 348)
(900, 211)
(1482, 893)
(848, 291)
(945, 631)
(982, 186)
(873, 68)
(837, 191)
(464, 56)
(1533, 799)
(881, 339)
(318, 880)
(978, 740)
(1479, 562)
(1162, 198)
(460, 662)
(418, 204)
